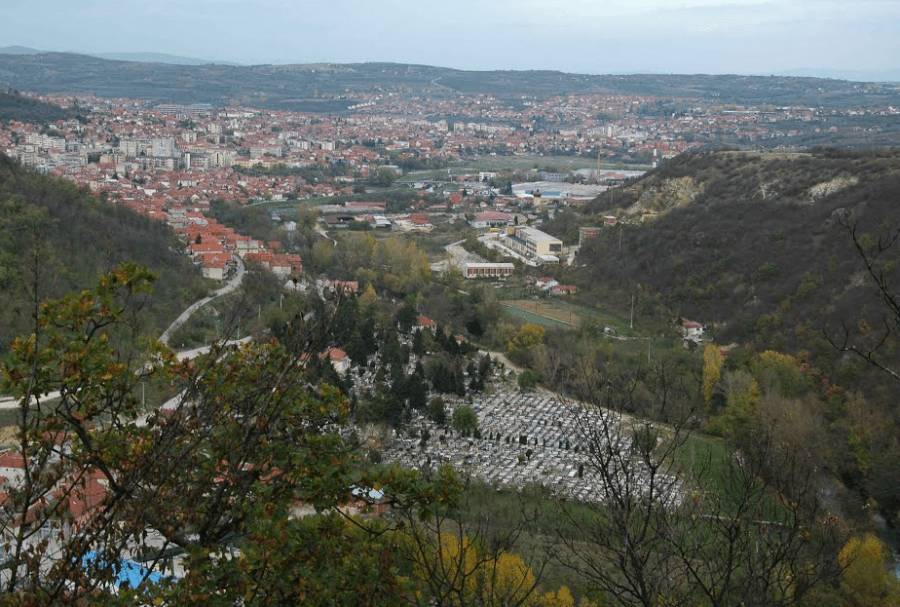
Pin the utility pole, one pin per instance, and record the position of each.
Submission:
(631, 322)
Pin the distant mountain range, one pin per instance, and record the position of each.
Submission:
(19, 50)
(137, 57)
(157, 58)
(860, 75)
(854, 75)
(325, 87)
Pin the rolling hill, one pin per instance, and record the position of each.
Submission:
(322, 88)
(755, 246)
(56, 238)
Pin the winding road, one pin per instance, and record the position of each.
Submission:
(9, 402)
(230, 286)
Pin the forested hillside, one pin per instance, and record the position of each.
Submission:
(754, 246)
(769, 252)
(56, 238)
(15, 106)
(310, 87)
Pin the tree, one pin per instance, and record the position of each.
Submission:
(367, 301)
(866, 579)
(879, 260)
(527, 379)
(307, 217)
(321, 255)
(406, 317)
(528, 336)
(465, 557)
(437, 411)
(223, 466)
(619, 547)
(671, 526)
(712, 371)
(465, 420)
(384, 178)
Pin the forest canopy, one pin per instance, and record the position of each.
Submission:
(56, 237)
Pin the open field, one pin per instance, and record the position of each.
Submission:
(706, 455)
(557, 311)
(534, 317)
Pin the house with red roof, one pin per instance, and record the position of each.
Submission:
(691, 331)
(262, 258)
(203, 248)
(491, 219)
(245, 245)
(545, 283)
(215, 267)
(12, 467)
(563, 289)
(423, 322)
(338, 358)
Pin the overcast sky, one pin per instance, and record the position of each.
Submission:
(582, 36)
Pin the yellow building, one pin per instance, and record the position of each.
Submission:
(531, 242)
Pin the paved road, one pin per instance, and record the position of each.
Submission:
(8, 402)
(230, 286)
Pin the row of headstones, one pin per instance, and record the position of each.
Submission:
(507, 469)
(541, 411)
(544, 409)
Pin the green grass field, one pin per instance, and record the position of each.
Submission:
(531, 317)
(559, 311)
(705, 455)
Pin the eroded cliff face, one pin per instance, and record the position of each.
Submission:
(664, 196)
(713, 179)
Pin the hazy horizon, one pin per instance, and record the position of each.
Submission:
(575, 36)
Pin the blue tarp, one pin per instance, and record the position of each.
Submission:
(130, 572)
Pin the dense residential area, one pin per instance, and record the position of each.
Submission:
(448, 349)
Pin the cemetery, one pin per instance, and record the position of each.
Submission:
(523, 438)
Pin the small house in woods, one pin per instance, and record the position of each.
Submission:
(691, 332)
(423, 322)
(338, 358)
(563, 289)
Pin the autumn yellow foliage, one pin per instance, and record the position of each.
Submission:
(866, 579)
(528, 336)
(712, 371)
(487, 578)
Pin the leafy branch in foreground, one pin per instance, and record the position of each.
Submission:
(207, 488)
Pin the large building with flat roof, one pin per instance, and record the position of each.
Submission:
(488, 270)
(533, 243)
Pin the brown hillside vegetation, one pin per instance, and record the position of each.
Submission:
(759, 249)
